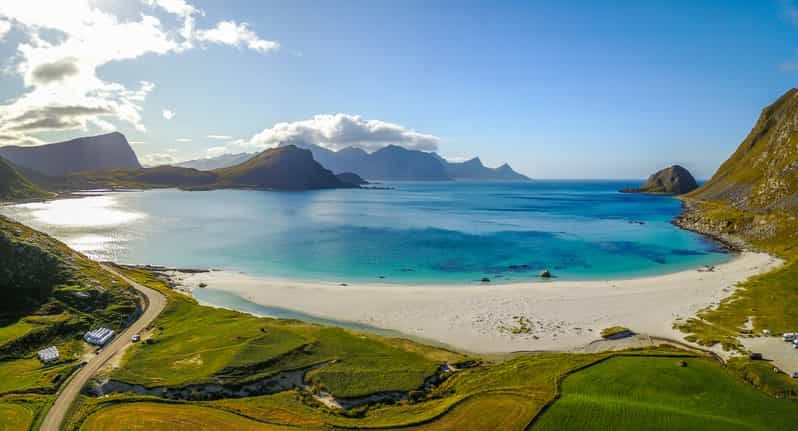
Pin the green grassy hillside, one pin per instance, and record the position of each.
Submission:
(14, 186)
(752, 200)
(635, 393)
(49, 295)
(763, 172)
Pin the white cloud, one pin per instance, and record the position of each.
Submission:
(219, 137)
(66, 42)
(183, 139)
(168, 114)
(5, 27)
(343, 130)
(236, 34)
(167, 157)
(177, 7)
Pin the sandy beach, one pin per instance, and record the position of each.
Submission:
(500, 318)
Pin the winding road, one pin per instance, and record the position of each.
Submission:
(154, 304)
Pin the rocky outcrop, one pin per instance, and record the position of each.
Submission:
(674, 180)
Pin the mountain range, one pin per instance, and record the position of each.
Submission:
(284, 168)
(91, 153)
(390, 163)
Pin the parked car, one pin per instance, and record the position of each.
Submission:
(795, 374)
(136, 338)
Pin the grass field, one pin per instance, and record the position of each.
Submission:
(631, 390)
(657, 394)
(197, 344)
(15, 417)
(156, 416)
(14, 330)
(24, 375)
(21, 412)
(478, 395)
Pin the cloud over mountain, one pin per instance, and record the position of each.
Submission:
(337, 131)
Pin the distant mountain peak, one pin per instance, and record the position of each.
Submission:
(475, 161)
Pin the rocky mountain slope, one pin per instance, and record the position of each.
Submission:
(91, 153)
(674, 180)
(763, 173)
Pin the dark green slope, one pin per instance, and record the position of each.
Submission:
(13, 186)
(281, 168)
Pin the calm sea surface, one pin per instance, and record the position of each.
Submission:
(418, 232)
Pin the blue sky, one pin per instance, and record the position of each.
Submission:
(574, 89)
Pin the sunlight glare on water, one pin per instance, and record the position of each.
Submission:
(93, 211)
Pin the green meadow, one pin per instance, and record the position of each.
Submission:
(651, 393)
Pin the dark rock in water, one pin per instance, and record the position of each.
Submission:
(486, 280)
(674, 180)
(545, 273)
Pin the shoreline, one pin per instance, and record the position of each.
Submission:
(555, 315)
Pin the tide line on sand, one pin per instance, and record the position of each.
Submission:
(556, 315)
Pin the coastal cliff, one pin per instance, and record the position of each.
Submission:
(753, 196)
(751, 202)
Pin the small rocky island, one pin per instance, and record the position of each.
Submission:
(674, 180)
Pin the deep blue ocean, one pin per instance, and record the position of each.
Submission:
(448, 232)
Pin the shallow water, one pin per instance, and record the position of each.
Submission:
(416, 233)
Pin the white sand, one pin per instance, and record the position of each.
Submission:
(563, 315)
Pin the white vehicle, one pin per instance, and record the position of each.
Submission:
(790, 336)
(795, 374)
(135, 338)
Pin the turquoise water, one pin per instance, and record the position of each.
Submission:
(418, 232)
